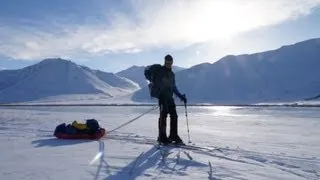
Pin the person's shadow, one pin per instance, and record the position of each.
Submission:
(54, 142)
(154, 158)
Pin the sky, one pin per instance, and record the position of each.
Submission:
(113, 35)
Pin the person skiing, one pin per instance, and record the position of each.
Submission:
(162, 86)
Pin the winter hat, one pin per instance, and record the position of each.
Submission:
(168, 58)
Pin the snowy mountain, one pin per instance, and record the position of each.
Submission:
(113, 80)
(313, 98)
(285, 74)
(136, 74)
(56, 77)
(176, 69)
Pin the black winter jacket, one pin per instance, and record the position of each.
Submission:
(162, 81)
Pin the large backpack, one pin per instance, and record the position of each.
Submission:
(153, 74)
(93, 125)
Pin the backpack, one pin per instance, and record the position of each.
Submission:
(153, 74)
(61, 128)
(92, 125)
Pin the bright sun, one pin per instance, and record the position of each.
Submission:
(210, 20)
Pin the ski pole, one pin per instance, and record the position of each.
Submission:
(185, 107)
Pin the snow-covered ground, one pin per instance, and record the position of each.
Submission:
(315, 102)
(83, 99)
(240, 143)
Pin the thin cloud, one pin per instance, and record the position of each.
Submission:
(155, 24)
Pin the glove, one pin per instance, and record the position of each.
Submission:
(183, 98)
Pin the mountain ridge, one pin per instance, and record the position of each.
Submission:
(53, 77)
(288, 73)
(136, 74)
(284, 74)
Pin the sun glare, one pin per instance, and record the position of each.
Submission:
(219, 20)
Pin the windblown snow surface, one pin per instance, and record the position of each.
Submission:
(237, 143)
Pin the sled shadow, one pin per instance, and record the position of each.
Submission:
(53, 142)
(154, 159)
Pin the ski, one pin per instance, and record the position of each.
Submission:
(189, 147)
(150, 141)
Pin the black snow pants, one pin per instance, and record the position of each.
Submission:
(167, 106)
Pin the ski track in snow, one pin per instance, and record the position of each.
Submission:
(241, 156)
(30, 151)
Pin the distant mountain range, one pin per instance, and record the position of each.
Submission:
(285, 74)
(136, 74)
(289, 73)
(54, 77)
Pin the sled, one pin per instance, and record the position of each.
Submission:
(88, 130)
(99, 134)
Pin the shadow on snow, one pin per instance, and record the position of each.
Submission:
(54, 142)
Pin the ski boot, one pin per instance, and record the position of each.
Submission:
(176, 140)
(163, 140)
